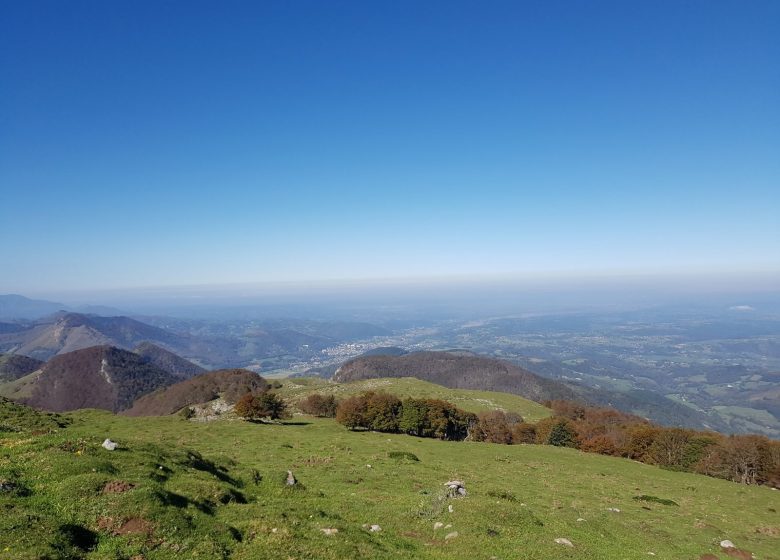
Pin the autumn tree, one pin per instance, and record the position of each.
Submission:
(323, 406)
(351, 412)
(257, 407)
(495, 426)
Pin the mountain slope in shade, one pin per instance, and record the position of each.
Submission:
(456, 371)
(66, 332)
(230, 385)
(97, 377)
(168, 361)
(14, 366)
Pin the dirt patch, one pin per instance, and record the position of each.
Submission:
(117, 487)
(738, 553)
(132, 526)
(768, 531)
(708, 557)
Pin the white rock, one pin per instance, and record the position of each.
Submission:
(438, 525)
(451, 535)
(616, 510)
(329, 532)
(375, 528)
(651, 553)
(448, 525)
(450, 509)
(579, 519)
(110, 445)
(274, 530)
(727, 544)
(564, 542)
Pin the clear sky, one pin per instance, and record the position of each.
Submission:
(169, 143)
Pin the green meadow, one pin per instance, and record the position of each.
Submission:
(181, 489)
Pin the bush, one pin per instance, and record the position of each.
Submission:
(420, 417)
(495, 427)
(562, 435)
(266, 405)
(323, 406)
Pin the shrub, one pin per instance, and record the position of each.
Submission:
(266, 405)
(495, 427)
(323, 406)
(405, 455)
(562, 435)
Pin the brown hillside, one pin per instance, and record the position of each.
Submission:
(14, 366)
(97, 377)
(230, 384)
(457, 371)
(168, 361)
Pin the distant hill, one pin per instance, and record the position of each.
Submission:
(13, 306)
(66, 332)
(168, 361)
(456, 371)
(327, 372)
(386, 351)
(7, 328)
(98, 377)
(14, 366)
(230, 385)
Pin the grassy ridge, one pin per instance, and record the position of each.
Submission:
(472, 401)
(521, 498)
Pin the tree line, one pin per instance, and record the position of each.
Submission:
(748, 459)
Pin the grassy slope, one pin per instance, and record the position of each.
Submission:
(472, 401)
(520, 497)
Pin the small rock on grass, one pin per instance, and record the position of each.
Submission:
(727, 544)
(438, 525)
(330, 532)
(109, 445)
(564, 542)
(451, 535)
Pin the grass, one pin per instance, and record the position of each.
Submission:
(295, 390)
(216, 490)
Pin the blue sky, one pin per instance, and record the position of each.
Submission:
(180, 143)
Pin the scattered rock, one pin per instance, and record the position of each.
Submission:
(455, 489)
(109, 445)
(564, 542)
(579, 519)
(291, 480)
(375, 528)
(438, 525)
(450, 508)
(727, 544)
(451, 535)
(330, 532)
(616, 510)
